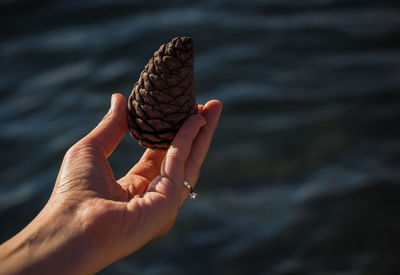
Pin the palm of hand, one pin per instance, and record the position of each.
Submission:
(109, 208)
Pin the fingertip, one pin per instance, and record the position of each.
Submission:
(118, 100)
(200, 108)
(118, 109)
(212, 111)
(108, 133)
(215, 104)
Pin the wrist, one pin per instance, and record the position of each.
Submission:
(48, 242)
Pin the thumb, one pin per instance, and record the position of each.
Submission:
(109, 132)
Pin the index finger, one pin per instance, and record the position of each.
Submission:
(174, 162)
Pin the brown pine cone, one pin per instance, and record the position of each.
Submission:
(163, 97)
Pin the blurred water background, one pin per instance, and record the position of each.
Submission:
(303, 173)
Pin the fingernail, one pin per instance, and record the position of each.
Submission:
(113, 98)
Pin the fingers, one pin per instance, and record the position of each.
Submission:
(183, 159)
(109, 132)
(153, 158)
(189, 148)
(178, 152)
(150, 163)
(211, 112)
(200, 108)
(144, 171)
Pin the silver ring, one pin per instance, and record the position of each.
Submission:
(193, 195)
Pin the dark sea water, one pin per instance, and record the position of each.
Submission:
(303, 173)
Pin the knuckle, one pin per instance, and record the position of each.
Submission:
(174, 156)
(108, 116)
(185, 137)
(75, 149)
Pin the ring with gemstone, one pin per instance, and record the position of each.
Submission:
(193, 195)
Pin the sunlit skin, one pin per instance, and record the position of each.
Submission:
(91, 219)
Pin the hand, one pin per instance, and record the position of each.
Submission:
(91, 219)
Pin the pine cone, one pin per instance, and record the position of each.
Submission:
(163, 97)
